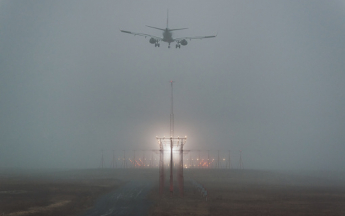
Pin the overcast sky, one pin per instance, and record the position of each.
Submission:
(270, 84)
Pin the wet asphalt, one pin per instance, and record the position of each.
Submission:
(130, 199)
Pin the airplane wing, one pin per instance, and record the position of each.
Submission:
(141, 34)
(196, 37)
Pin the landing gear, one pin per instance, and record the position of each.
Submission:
(178, 46)
(169, 45)
(156, 44)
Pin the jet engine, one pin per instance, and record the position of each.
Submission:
(152, 40)
(184, 42)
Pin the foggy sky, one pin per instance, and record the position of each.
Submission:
(270, 84)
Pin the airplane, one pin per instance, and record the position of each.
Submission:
(167, 36)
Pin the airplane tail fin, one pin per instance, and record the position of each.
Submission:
(167, 25)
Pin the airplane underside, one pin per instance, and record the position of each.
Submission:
(178, 45)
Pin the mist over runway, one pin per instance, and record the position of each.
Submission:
(270, 84)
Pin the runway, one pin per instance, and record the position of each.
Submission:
(130, 199)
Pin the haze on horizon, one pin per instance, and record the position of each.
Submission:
(270, 84)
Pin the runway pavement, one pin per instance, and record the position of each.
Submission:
(130, 199)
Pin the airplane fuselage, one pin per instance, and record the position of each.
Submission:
(167, 36)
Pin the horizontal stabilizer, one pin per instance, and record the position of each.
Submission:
(177, 29)
(155, 28)
(210, 36)
(126, 31)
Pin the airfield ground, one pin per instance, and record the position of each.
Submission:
(42, 192)
(230, 192)
(251, 192)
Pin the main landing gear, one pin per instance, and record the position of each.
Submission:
(178, 46)
(157, 45)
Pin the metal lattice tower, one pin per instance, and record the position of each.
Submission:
(229, 162)
(218, 161)
(199, 159)
(241, 163)
(208, 158)
(171, 166)
(172, 112)
(134, 161)
(102, 161)
(161, 168)
(171, 142)
(190, 160)
(114, 160)
(144, 159)
(151, 161)
(124, 159)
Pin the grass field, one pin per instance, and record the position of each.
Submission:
(230, 192)
(52, 193)
(250, 192)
